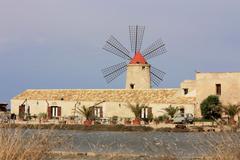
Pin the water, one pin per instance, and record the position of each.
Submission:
(147, 143)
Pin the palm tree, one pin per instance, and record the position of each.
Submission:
(86, 112)
(136, 109)
(231, 110)
(171, 111)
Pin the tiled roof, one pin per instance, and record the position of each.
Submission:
(163, 96)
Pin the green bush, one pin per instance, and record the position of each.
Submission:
(160, 119)
(210, 107)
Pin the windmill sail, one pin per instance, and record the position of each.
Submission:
(136, 36)
(155, 49)
(112, 72)
(114, 46)
(156, 76)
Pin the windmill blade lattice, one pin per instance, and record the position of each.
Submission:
(112, 72)
(155, 49)
(156, 76)
(114, 46)
(136, 36)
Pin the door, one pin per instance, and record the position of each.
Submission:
(21, 112)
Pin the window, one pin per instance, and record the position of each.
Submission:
(218, 89)
(132, 86)
(185, 90)
(98, 112)
(54, 111)
(146, 112)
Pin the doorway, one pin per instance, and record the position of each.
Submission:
(21, 111)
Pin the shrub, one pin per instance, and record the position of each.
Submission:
(127, 120)
(160, 119)
(42, 115)
(210, 107)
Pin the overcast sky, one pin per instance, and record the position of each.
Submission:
(58, 43)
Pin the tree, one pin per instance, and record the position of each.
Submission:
(210, 107)
(231, 110)
(86, 112)
(171, 111)
(136, 109)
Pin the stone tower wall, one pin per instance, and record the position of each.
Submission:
(138, 76)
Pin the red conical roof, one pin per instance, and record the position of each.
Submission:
(138, 59)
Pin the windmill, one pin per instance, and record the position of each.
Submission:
(140, 74)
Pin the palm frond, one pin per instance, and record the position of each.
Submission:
(231, 109)
(86, 112)
(136, 109)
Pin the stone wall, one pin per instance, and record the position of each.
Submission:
(230, 86)
(139, 76)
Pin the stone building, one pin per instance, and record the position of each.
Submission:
(62, 102)
(226, 85)
(113, 102)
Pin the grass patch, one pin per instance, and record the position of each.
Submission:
(81, 127)
(23, 144)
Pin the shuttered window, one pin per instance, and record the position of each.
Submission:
(49, 111)
(54, 111)
(59, 112)
(98, 112)
(145, 112)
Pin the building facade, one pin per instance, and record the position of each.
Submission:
(113, 102)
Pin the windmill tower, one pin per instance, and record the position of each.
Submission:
(140, 74)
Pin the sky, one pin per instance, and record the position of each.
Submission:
(57, 44)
